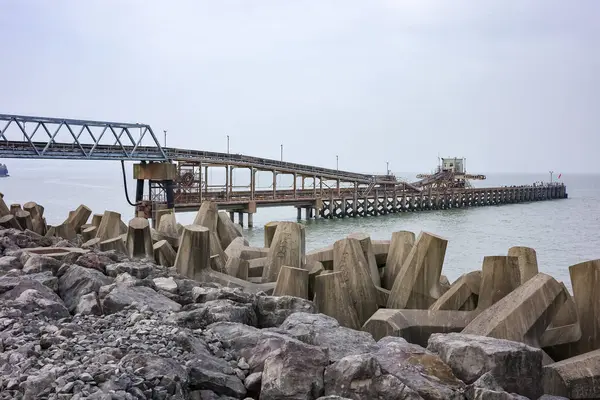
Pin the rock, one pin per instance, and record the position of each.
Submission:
(321, 330)
(166, 284)
(78, 281)
(97, 261)
(213, 311)
(253, 382)
(294, 372)
(202, 294)
(46, 279)
(137, 296)
(34, 301)
(88, 305)
(209, 373)
(38, 386)
(422, 371)
(9, 262)
(515, 366)
(486, 388)
(360, 377)
(138, 269)
(272, 310)
(150, 366)
(38, 263)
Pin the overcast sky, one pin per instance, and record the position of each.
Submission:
(513, 86)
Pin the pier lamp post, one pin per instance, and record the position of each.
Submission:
(165, 131)
(281, 152)
(551, 173)
(387, 167)
(227, 144)
(337, 162)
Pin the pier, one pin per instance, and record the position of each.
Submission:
(179, 179)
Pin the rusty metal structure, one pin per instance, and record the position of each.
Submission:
(180, 179)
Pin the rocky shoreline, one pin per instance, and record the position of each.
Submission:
(113, 311)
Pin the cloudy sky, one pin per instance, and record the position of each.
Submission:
(513, 85)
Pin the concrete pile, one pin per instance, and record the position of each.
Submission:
(195, 312)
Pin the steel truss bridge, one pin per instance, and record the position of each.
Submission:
(314, 188)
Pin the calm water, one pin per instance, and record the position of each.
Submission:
(563, 232)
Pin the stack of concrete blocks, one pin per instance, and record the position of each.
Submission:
(29, 217)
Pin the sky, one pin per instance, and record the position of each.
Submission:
(512, 85)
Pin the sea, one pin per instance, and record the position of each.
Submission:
(563, 232)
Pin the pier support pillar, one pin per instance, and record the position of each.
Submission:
(299, 211)
(241, 218)
(232, 216)
(250, 220)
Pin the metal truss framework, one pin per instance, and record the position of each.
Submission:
(94, 140)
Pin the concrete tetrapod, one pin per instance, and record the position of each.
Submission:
(367, 246)
(193, 256)
(524, 314)
(316, 270)
(4, 210)
(226, 230)
(561, 339)
(79, 217)
(207, 215)
(463, 294)
(110, 226)
(14, 208)
(332, 298)
(528, 265)
(270, 229)
(324, 256)
(417, 284)
(349, 259)
(237, 267)
(167, 228)
(574, 378)
(287, 249)
(10, 221)
(292, 282)
(89, 233)
(416, 325)
(24, 219)
(164, 253)
(500, 275)
(139, 239)
(117, 244)
(218, 256)
(33, 208)
(96, 220)
(400, 246)
(65, 231)
(381, 248)
(92, 243)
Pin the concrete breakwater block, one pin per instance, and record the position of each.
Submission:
(65, 231)
(79, 217)
(4, 210)
(349, 259)
(207, 215)
(239, 268)
(10, 221)
(332, 298)
(89, 233)
(462, 295)
(400, 246)
(417, 284)
(139, 239)
(324, 256)
(97, 219)
(292, 282)
(288, 248)
(270, 229)
(500, 275)
(226, 230)
(527, 260)
(218, 256)
(167, 229)
(416, 326)
(24, 219)
(110, 226)
(164, 254)
(193, 256)
(367, 247)
(117, 244)
(524, 314)
(575, 378)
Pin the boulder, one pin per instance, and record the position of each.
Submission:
(122, 296)
(97, 261)
(89, 305)
(40, 263)
(166, 284)
(272, 311)
(78, 281)
(515, 366)
(199, 316)
(202, 294)
(323, 331)
(30, 296)
(137, 269)
(360, 377)
(400, 246)
(294, 372)
(9, 262)
(211, 373)
(417, 284)
(575, 378)
(422, 371)
(46, 279)
(487, 388)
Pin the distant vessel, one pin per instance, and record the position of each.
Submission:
(3, 171)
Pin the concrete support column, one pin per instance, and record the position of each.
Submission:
(250, 220)
(231, 216)
(252, 183)
(295, 180)
(274, 184)
(299, 212)
(241, 218)
(227, 182)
